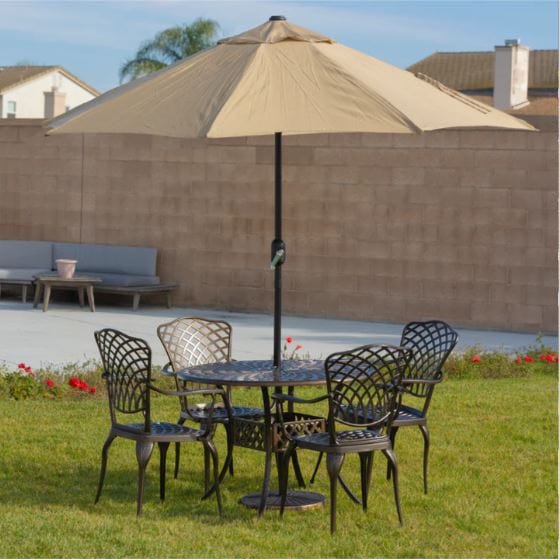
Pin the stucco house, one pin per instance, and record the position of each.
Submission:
(512, 78)
(38, 92)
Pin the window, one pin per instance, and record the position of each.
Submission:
(11, 109)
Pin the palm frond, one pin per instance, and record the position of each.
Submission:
(170, 45)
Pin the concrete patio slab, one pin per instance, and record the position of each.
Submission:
(65, 333)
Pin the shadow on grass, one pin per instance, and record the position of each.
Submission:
(77, 487)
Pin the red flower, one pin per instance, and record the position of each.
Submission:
(22, 365)
(518, 360)
(475, 359)
(84, 386)
(298, 347)
(49, 383)
(92, 390)
(289, 339)
(74, 382)
(528, 359)
(28, 369)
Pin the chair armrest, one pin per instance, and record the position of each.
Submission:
(281, 397)
(168, 370)
(187, 393)
(421, 381)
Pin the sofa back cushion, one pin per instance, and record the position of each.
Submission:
(117, 259)
(26, 254)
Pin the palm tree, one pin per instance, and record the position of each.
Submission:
(168, 46)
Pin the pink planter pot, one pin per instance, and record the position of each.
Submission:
(66, 267)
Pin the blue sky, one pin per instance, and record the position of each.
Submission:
(93, 38)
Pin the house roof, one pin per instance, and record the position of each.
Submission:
(474, 70)
(539, 105)
(12, 76)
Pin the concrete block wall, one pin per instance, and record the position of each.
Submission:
(460, 225)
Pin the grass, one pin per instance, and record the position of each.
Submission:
(493, 486)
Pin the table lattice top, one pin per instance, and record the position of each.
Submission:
(257, 373)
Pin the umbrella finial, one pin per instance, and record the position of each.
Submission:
(278, 18)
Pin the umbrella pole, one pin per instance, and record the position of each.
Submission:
(278, 252)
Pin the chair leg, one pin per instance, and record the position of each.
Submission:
(180, 422)
(318, 461)
(177, 458)
(366, 461)
(333, 466)
(228, 463)
(143, 453)
(284, 474)
(297, 471)
(207, 455)
(210, 450)
(426, 444)
(163, 447)
(104, 457)
(391, 456)
(392, 436)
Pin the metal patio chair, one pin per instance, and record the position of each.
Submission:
(191, 341)
(363, 394)
(430, 342)
(127, 371)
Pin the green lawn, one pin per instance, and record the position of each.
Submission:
(493, 487)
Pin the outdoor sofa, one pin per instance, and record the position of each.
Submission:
(122, 269)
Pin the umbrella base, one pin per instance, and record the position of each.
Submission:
(296, 500)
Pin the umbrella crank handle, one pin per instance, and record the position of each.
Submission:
(278, 253)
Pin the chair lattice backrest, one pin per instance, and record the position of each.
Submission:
(431, 342)
(363, 386)
(191, 341)
(127, 365)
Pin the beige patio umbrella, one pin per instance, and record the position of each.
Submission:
(279, 78)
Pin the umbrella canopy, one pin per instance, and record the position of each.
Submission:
(279, 78)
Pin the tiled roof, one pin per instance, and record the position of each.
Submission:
(539, 105)
(12, 76)
(474, 70)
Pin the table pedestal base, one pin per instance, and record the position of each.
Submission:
(296, 500)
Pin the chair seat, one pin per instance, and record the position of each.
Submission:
(408, 416)
(220, 413)
(160, 431)
(369, 439)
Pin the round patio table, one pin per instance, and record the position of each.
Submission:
(262, 374)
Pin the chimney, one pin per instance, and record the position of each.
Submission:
(510, 90)
(55, 103)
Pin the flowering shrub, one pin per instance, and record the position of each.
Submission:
(25, 383)
(292, 352)
(476, 362)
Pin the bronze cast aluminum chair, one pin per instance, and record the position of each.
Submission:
(363, 394)
(431, 342)
(127, 371)
(190, 341)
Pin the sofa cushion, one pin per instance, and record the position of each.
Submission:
(26, 254)
(122, 279)
(21, 273)
(114, 259)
